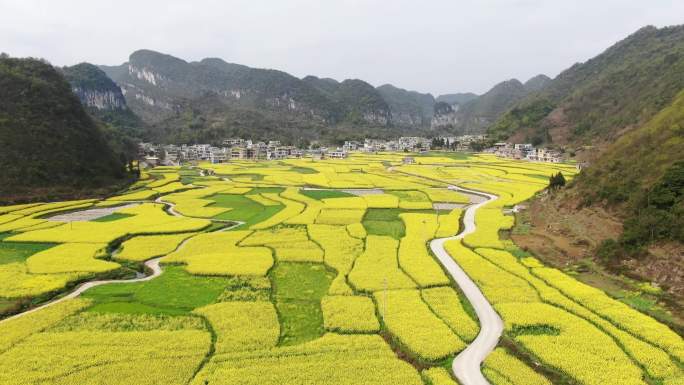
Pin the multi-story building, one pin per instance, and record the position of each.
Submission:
(413, 143)
(234, 142)
(351, 145)
(338, 154)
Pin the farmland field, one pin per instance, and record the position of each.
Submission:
(308, 272)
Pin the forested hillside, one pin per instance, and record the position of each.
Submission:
(625, 208)
(212, 99)
(50, 145)
(470, 114)
(597, 101)
(103, 98)
(643, 172)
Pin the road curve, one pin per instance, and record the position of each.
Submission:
(152, 264)
(466, 365)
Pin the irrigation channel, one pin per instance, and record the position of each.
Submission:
(467, 364)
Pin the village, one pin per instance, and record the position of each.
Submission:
(152, 154)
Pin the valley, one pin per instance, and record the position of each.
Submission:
(174, 217)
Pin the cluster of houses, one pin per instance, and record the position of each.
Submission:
(525, 151)
(458, 143)
(405, 143)
(234, 149)
(171, 154)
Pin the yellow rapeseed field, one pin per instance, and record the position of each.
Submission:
(226, 319)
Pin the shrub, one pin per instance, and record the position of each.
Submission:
(70, 258)
(381, 201)
(617, 312)
(217, 254)
(340, 252)
(448, 224)
(345, 203)
(438, 376)
(311, 211)
(357, 230)
(446, 195)
(597, 358)
(499, 362)
(144, 358)
(15, 330)
(289, 243)
(292, 208)
(331, 359)
(148, 218)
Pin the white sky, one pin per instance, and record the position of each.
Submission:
(437, 46)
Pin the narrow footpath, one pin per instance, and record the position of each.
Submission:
(152, 265)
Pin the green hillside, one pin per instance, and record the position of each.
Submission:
(103, 98)
(643, 175)
(597, 100)
(50, 145)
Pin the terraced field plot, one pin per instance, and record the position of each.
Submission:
(288, 273)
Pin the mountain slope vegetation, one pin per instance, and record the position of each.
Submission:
(644, 173)
(102, 98)
(50, 145)
(171, 93)
(210, 99)
(624, 210)
(597, 101)
(469, 114)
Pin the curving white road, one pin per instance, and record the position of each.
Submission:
(466, 365)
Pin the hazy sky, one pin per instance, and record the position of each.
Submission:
(438, 46)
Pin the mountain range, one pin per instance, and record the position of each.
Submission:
(208, 100)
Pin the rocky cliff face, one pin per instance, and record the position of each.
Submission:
(162, 89)
(468, 114)
(445, 116)
(94, 88)
(407, 108)
(103, 98)
(158, 86)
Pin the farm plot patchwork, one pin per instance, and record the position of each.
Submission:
(317, 286)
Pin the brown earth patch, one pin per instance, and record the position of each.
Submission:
(561, 235)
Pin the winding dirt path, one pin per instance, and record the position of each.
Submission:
(152, 264)
(466, 365)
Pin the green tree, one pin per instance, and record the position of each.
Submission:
(556, 181)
